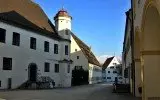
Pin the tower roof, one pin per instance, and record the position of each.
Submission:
(62, 13)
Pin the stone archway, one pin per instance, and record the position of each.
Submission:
(150, 51)
(32, 72)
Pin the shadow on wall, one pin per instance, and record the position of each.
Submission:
(79, 73)
(79, 76)
(65, 33)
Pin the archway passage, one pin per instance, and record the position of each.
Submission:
(32, 71)
(151, 54)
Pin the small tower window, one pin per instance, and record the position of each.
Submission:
(66, 31)
(66, 50)
(77, 57)
(68, 70)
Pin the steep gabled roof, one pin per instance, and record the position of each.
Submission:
(15, 18)
(107, 62)
(30, 11)
(86, 51)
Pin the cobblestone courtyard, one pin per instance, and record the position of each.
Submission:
(88, 92)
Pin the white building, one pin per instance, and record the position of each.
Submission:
(111, 70)
(31, 49)
(85, 62)
(127, 51)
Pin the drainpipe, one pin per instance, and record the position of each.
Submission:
(132, 45)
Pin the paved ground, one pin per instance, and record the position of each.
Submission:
(90, 92)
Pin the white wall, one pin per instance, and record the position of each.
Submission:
(127, 63)
(95, 74)
(111, 74)
(61, 24)
(22, 56)
(82, 61)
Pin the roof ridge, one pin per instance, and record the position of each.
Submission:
(79, 39)
(107, 62)
(86, 51)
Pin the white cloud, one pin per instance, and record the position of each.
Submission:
(103, 58)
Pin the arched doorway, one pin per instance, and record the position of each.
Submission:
(150, 52)
(32, 72)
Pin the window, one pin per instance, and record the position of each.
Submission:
(46, 67)
(117, 67)
(108, 71)
(114, 71)
(66, 31)
(0, 83)
(16, 39)
(68, 70)
(46, 46)
(7, 63)
(55, 48)
(114, 64)
(77, 57)
(33, 43)
(112, 67)
(56, 68)
(2, 35)
(108, 77)
(66, 49)
(75, 49)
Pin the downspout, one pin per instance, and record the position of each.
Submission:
(132, 45)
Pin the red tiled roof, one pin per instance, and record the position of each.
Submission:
(15, 18)
(29, 10)
(62, 13)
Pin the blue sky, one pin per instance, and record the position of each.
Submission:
(99, 23)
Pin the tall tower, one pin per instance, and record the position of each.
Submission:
(63, 26)
(63, 23)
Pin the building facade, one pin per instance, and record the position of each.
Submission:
(32, 49)
(145, 47)
(84, 63)
(128, 63)
(111, 70)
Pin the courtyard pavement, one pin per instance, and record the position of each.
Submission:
(87, 92)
